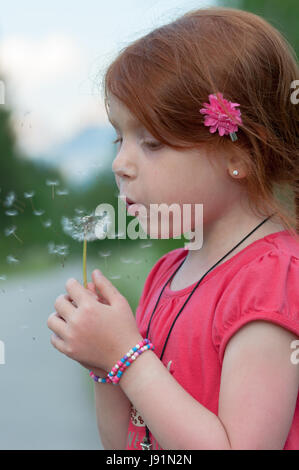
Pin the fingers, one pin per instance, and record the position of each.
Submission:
(58, 343)
(92, 288)
(76, 291)
(99, 297)
(63, 306)
(57, 325)
(106, 288)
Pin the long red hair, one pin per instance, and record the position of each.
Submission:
(165, 77)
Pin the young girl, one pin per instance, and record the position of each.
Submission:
(204, 113)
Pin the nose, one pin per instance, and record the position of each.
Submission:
(123, 166)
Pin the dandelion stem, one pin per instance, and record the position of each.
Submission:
(16, 236)
(84, 263)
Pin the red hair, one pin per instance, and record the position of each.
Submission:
(165, 77)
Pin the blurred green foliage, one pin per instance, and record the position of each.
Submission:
(20, 174)
(282, 14)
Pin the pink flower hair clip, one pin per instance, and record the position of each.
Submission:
(221, 115)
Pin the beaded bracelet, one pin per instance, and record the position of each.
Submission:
(117, 370)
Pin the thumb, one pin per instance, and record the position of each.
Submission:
(106, 288)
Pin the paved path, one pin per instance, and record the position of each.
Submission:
(46, 399)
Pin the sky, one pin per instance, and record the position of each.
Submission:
(52, 54)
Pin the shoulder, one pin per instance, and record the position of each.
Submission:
(266, 288)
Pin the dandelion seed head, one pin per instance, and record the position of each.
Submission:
(83, 228)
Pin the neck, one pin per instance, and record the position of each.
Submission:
(222, 233)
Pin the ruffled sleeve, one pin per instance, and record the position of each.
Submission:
(264, 289)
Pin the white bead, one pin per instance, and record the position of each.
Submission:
(235, 172)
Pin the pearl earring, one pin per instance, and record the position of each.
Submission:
(235, 172)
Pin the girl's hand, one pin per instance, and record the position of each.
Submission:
(96, 371)
(92, 332)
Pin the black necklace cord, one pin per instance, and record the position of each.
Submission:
(146, 444)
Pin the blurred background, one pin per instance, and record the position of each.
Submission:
(56, 154)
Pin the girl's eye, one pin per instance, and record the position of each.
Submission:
(152, 145)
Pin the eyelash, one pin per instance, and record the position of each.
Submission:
(151, 145)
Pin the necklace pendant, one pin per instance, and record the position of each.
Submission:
(145, 444)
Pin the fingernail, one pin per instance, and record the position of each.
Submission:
(97, 272)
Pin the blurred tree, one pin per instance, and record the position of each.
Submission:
(283, 15)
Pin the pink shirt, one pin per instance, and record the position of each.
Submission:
(259, 282)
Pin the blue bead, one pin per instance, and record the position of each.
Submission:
(127, 364)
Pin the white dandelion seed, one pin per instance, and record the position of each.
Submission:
(11, 213)
(11, 231)
(105, 254)
(53, 184)
(10, 199)
(62, 192)
(47, 223)
(126, 260)
(11, 259)
(145, 245)
(62, 250)
(3, 277)
(80, 211)
(51, 248)
(116, 276)
(38, 212)
(29, 194)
